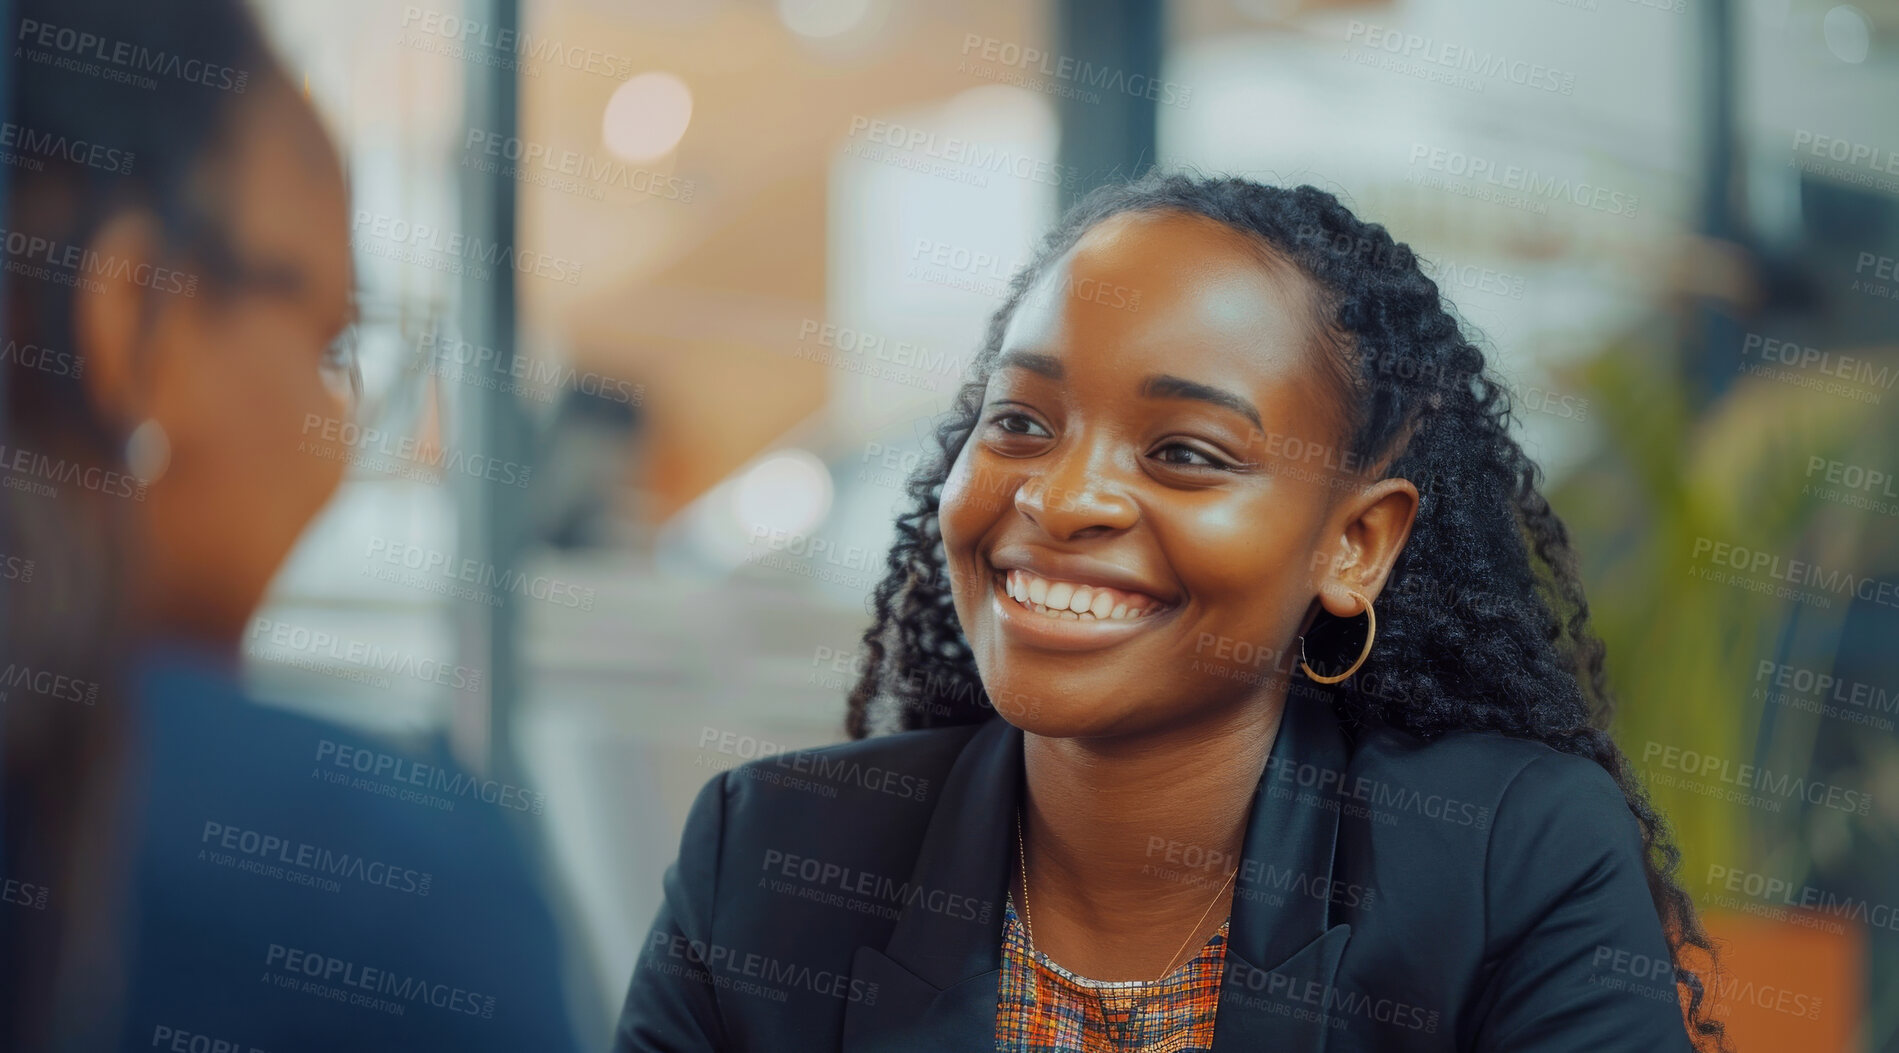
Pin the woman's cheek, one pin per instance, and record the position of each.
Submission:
(305, 418)
(962, 510)
(1242, 544)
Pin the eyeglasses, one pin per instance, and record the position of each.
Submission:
(341, 366)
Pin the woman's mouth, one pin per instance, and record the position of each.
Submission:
(1049, 614)
(1075, 601)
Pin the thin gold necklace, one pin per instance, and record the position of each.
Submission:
(1028, 923)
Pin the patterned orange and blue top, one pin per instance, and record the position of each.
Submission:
(1044, 1008)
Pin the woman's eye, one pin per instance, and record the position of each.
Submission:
(1018, 424)
(1189, 457)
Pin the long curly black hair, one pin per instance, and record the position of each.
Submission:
(1484, 613)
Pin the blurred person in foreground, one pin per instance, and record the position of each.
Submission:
(183, 868)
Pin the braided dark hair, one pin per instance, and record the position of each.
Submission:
(1484, 612)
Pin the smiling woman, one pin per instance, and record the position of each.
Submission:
(1196, 550)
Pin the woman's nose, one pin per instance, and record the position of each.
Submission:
(1076, 492)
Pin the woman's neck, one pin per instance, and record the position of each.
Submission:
(1129, 840)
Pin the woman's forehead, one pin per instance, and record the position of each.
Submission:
(1173, 292)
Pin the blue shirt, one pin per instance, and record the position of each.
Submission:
(297, 886)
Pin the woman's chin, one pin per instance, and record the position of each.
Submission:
(1061, 717)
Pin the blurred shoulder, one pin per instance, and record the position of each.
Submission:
(227, 766)
(268, 838)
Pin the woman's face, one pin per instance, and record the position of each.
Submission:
(1154, 446)
(235, 375)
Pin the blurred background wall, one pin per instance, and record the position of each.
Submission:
(659, 297)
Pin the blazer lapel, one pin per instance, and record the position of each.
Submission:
(1283, 952)
(937, 978)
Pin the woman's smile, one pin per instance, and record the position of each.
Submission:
(1061, 603)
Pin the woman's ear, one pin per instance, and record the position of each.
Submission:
(109, 315)
(1373, 527)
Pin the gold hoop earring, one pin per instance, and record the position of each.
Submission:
(1371, 633)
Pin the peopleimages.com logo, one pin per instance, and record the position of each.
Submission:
(358, 654)
(1012, 61)
(405, 455)
(32, 256)
(42, 359)
(41, 475)
(565, 170)
(303, 863)
(476, 40)
(440, 571)
(28, 145)
(977, 157)
(441, 786)
(1859, 378)
(1795, 572)
(1772, 785)
(1476, 66)
(46, 683)
(365, 985)
(541, 379)
(177, 1040)
(23, 894)
(1535, 187)
(454, 252)
(1861, 164)
(118, 60)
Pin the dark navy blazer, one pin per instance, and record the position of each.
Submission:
(1478, 892)
(297, 886)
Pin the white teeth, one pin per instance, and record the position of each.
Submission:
(1059, 594)
(1066, 599)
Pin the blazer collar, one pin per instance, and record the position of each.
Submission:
(937, 976)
